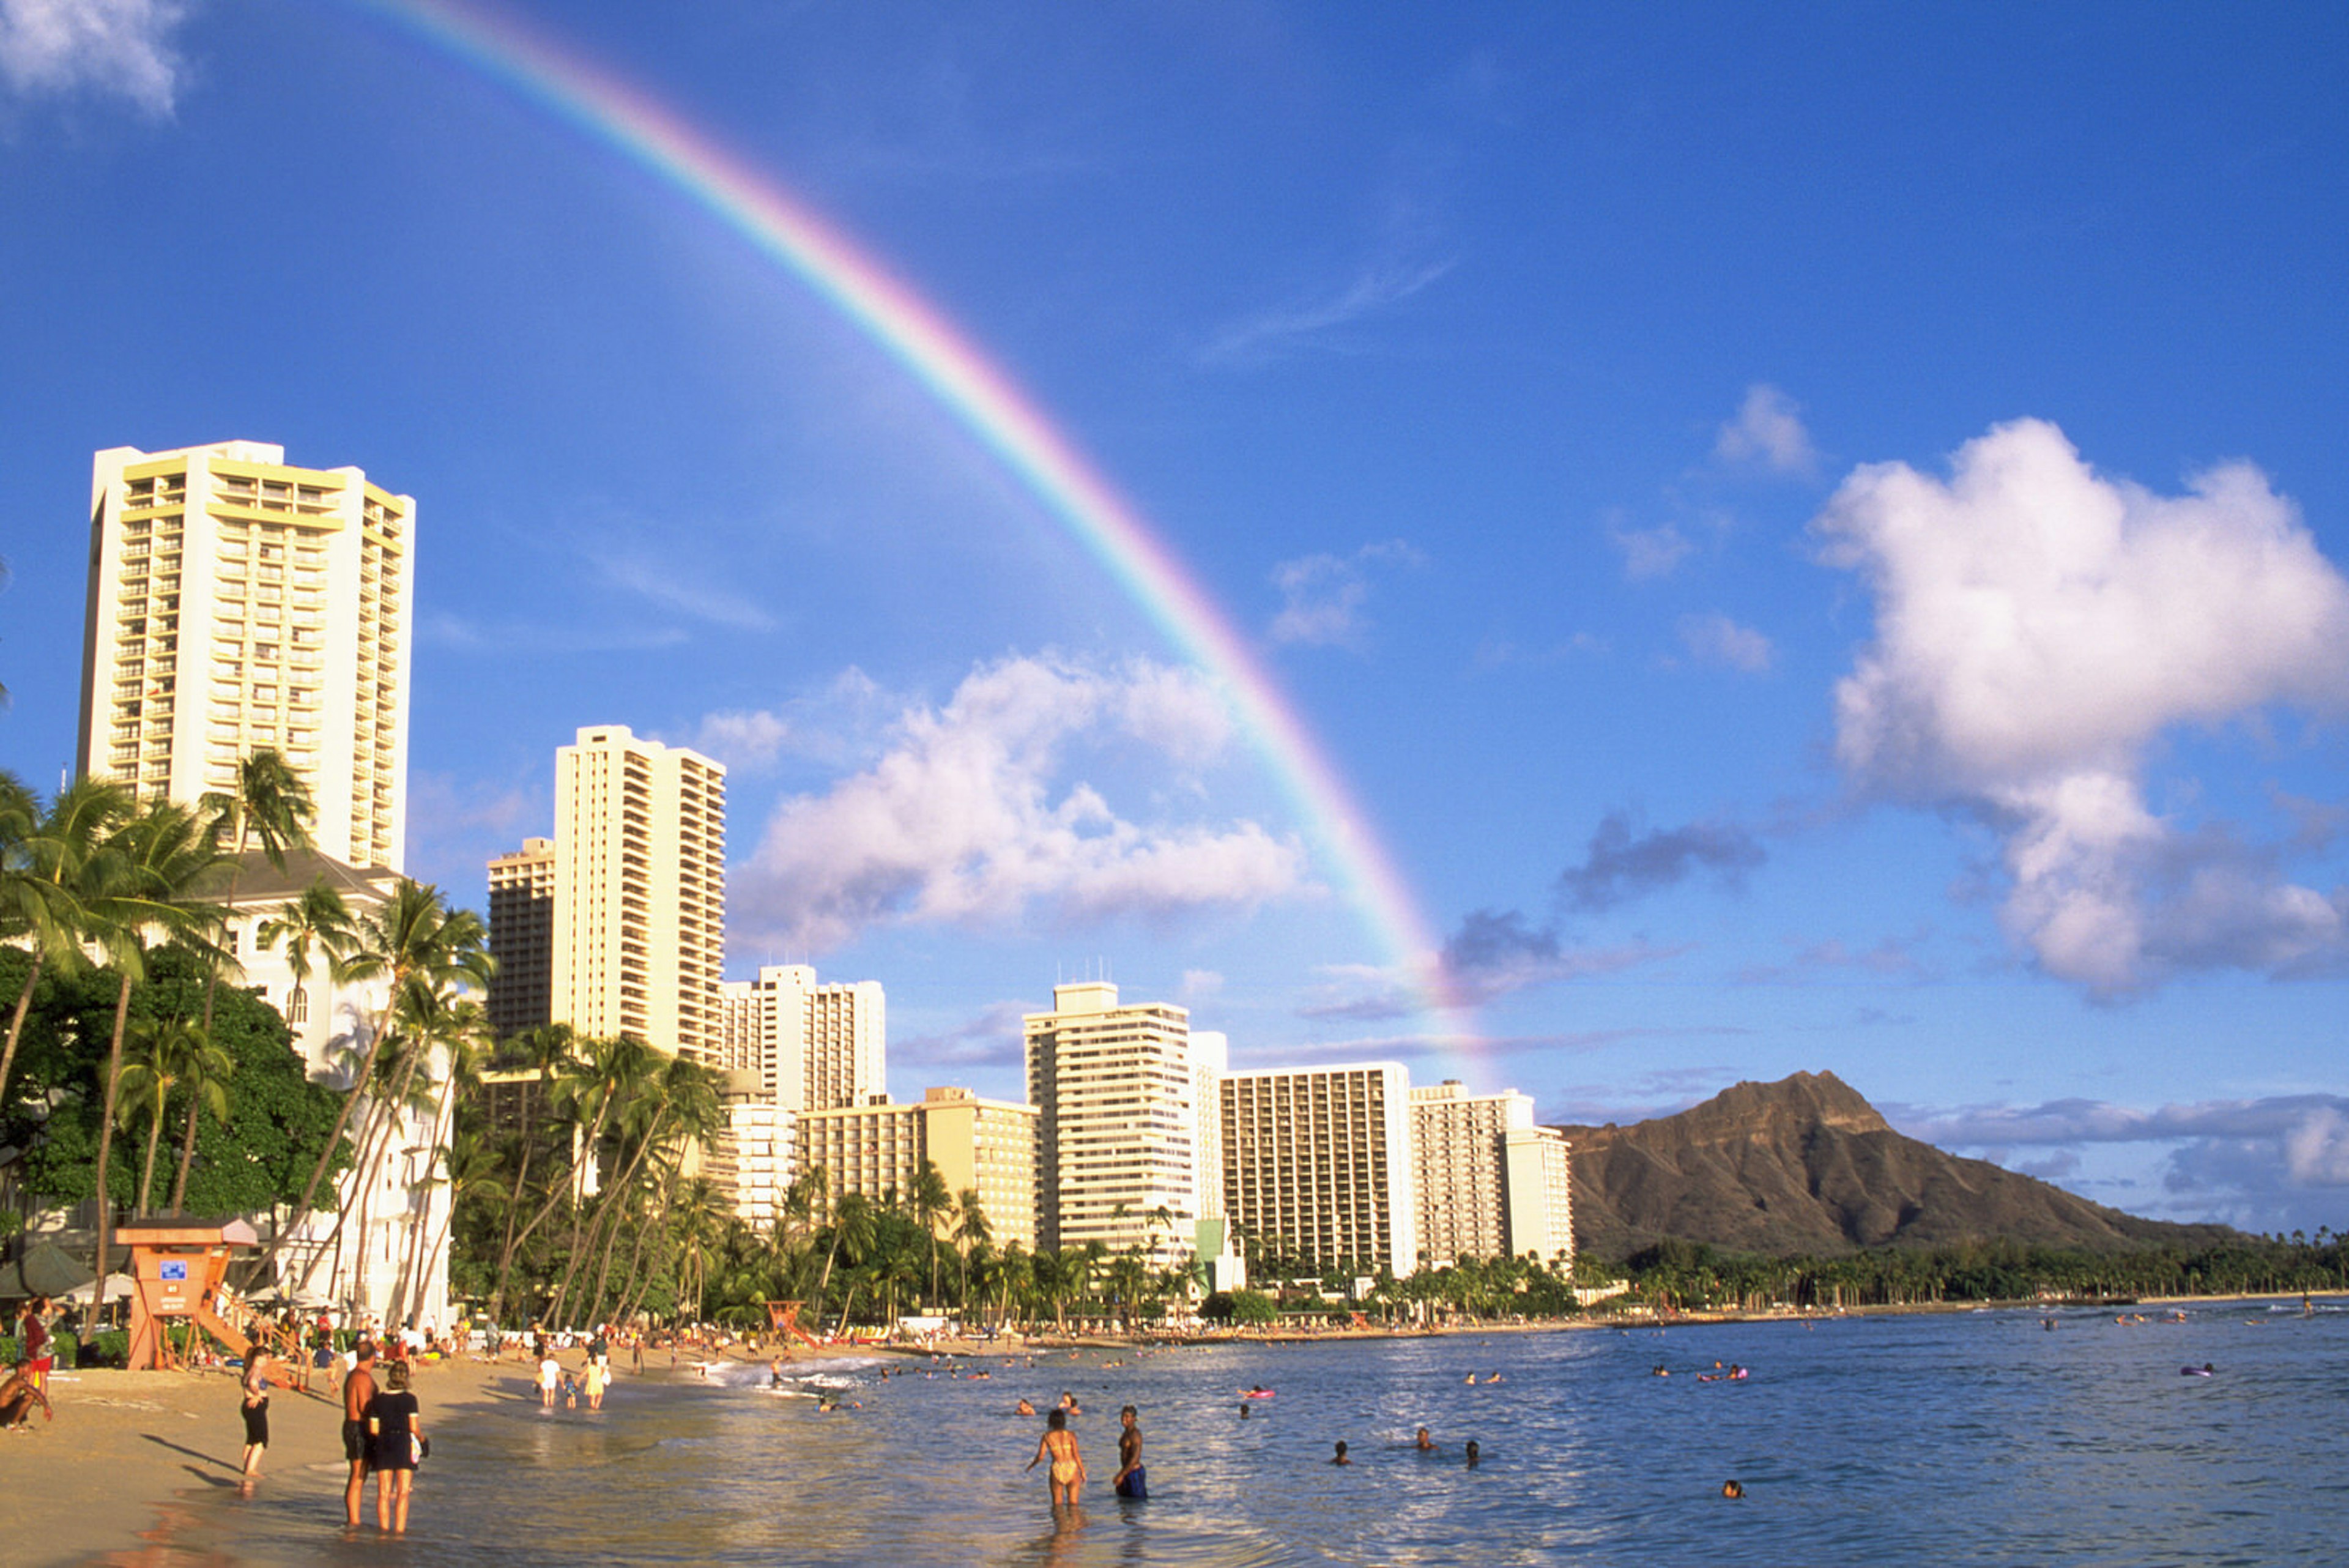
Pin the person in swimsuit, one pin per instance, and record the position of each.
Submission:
(1424, 1443)
(1476, 1455)
(395, 1433)
(550, 1377)
(1131, 1480)
(1732, 1489)
(17, 1397)
(1024, 1408)
(1060, 1445)
(1339, 1457)
(33, 1343)
(359, 1390)
(256, 1413)
(592, 1381)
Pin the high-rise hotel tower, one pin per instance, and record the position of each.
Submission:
(237, 604)
(1119, 1149)
(639, 932)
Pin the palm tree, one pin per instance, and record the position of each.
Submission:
(543, 1050)
(971, 1231)
(150, 875)
(931, 1202)
(588, 1088)
(855, 1224)
(171, 1051)
(318, 920)
(205, 1071)
(270, 802)
(414, 936)
(459, 1030)
(48, 861)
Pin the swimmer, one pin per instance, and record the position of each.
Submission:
(1060, 1445)
(1245, 1411)
(1131, 1480)
(775, 1372)
(1424, 1443)
(1024, 1408)
(1732, 1489)
(1340, 1458)
(1495, 1378)
(1470, 1378)
(1476, 1455)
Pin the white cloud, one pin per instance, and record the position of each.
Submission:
(2037, 627)
(1200, 984)
(1324, 598)
(967, 817)
(1651, 551)
(661, 583)
(1265, 334)
(2263, 1164)
(840, 725)
(1767, 432)
(1717, 640)
(118, 47)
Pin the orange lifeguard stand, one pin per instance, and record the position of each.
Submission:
(783, 1318)
(177, 1265)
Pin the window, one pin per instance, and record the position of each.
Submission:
(297, 1006)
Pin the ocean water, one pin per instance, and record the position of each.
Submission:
(1978, 1438)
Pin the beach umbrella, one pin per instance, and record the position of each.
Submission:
(118, 1288)
(43, 1270)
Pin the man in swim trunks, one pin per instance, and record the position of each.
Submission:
(1060, 1445)
(358, 1392)
(17, 1397)
(1131, 1480)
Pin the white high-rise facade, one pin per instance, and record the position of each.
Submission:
(1118, 1144)
(1490, 1183)
(237, 604)
(639, 922)
(818, 1046)
(1317, 1165)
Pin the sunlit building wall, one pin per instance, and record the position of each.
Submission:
(237, 604)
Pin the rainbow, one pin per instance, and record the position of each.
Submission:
(987, 403)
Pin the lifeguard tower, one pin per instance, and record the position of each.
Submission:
(176, 1268)
(783, 1322)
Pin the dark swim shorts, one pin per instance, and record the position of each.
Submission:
(1137, 1484)
(355, 1442)
(256, 1423)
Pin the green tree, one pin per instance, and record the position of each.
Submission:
(170, 1053)
(48, 864)
(931, 1202)
(271, 803)
(150, 875)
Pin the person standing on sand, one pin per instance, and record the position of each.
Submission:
(395, 1433)
(256, 1413)
(33, 1343)
(1131, 1480)
(358, 1393)
(1060, 1445)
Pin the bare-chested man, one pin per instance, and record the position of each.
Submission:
(358, 1392)
(1131, 1480)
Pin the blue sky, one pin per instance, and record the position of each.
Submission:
(1818, 540)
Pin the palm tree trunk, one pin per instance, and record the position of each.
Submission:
(611, 1198)
(635, 1294)
(440, 1119)
(513, 1208)
(105, 1134)
(154, 1142)
(334, 1139)
(17, 1022)
(187, 1157)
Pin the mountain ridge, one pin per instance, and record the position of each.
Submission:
(1806, 1165)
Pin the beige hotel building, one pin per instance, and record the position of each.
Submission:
(1489, 1183)
(877, 1148)
(237, 603)
(1317, 1164)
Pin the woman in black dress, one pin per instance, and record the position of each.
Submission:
(395, 1433)
(256, 1413)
